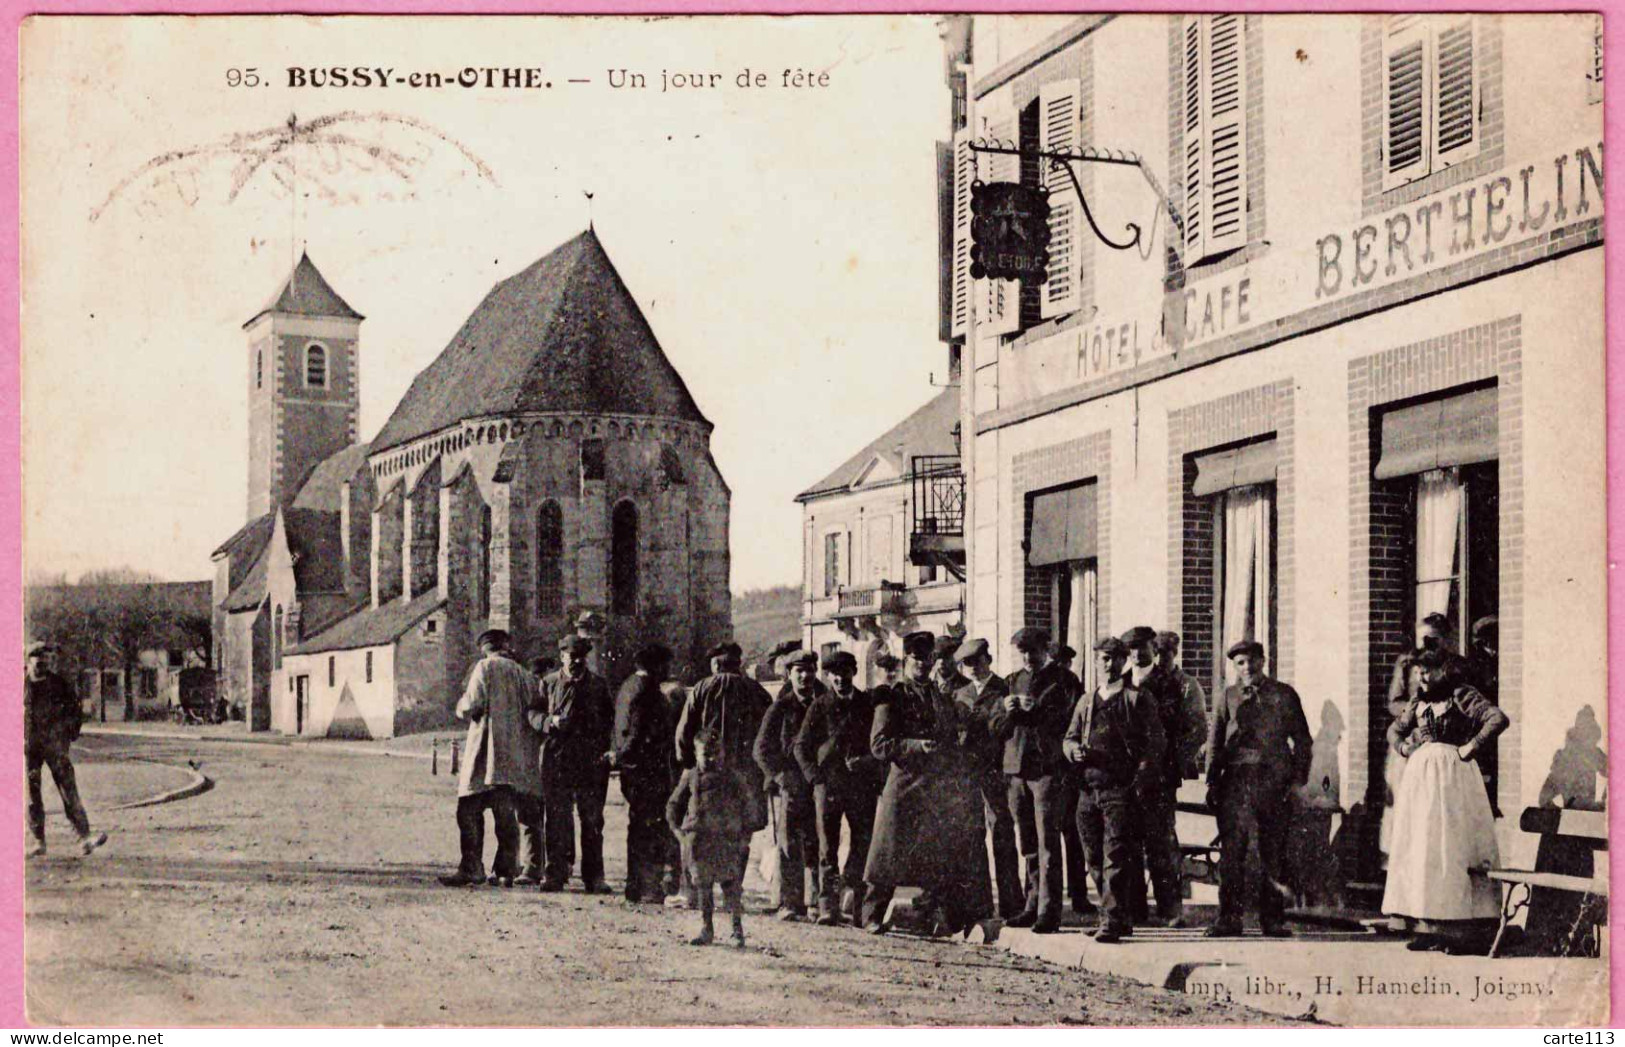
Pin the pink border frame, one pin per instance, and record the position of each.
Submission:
(13, 11)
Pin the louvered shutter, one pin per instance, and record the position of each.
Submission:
(1407, 129)
(1195, 140)
(1455, 110)
(1058, 131)
(1224, 130)
(998, 302)
(964, 174)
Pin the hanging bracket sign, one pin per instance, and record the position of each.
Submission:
(1009, 232)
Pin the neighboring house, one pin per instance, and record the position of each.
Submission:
(883, 540)
(549, 464)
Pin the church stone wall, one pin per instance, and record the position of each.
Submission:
(425, 692)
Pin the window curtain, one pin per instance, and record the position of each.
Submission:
(1438, 531)
(1082, 627)
(1246, 600)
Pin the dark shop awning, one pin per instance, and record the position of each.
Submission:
(1065, 525)
(1458, 430)
(1237, 467)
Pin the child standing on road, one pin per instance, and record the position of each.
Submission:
(704, 813)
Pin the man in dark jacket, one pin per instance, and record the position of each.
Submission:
(982, 696)
(945, 674)
(794, 817)
(1158, 844)
(575, 715)
(1259, 748)
(643, 755)
(1077, 882)
(51, 719)
(832, 749)
(721, 719)
(1114, 743)
(1031, 721)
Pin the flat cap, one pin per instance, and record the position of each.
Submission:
(41, 647)
(804, 658)
(575, 643)
(541, 665)
(840, 662)
(1030, 638)
(976, 648)
(494, 637)
(1061, 652)
(726, 649)
(1489, 625)
(652, 656)
(886, 662)
(1252, 647)
(919, 645)
(1112, 646)
(945, 646)
(1138, 635)
(1166, 641)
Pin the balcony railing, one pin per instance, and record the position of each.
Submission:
(937, 534)
(862, 600)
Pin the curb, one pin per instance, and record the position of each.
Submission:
(284, 742)
(199, 783)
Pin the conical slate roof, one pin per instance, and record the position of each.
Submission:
(307, 293)
(563, 335)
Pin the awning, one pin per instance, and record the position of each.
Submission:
(1458, 430)
(1065, 525)
(1237, 467)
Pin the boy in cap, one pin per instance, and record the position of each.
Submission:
(1159, 846)
(643, 755)
(1259, 749)
(575, 715)
(981, 697)
(832, 749)
(1114, 743)
(51, 718)
(706, 816)
(1031, 721)
(722, 718)
(501, 761)
(794, 818)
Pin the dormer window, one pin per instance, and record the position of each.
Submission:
(315, 366)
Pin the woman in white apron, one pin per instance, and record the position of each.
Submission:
(1443, 837)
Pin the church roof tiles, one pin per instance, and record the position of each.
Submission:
(307, 293)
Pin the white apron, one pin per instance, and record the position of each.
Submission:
(1442, 827)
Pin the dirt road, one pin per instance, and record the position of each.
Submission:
(301, 891)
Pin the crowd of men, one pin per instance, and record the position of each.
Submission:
(937, 765)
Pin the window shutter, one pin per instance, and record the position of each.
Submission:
(1195, 140)
(998, 302)
(1456, 92)
(1058, 131)
(964, 174)
(1224, 132)
(1407, 112)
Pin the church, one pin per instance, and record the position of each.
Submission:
(548, 472)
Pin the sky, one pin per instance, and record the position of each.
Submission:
(780, 239)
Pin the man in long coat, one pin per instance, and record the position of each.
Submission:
(928, 825)
(575, 714)
(51, 720)
(720, 721)
(643, 754)
(794, 815)
(833, 751)
(1259, 747)
(501, 761)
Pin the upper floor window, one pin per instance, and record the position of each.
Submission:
(1431, 90)
(592, 459)
(1214, 104)
(832, 561)
(315, 367)
(259, 368)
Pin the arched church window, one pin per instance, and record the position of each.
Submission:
(623, 554)
(276, 639)
(315, 366)
(485, 561)
(550, 558)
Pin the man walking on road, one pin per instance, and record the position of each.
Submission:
(501, 762)
(642, 752)
(574, 714)
(51, 719)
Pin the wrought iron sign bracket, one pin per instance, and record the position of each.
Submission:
(1063, 161)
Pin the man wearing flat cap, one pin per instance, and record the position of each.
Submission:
(832, 749)
(945, 674)
(1259, 748)
(51, 721)
(1159, 847)
(981, 697)
(928, 824)
(1077, 886)
(1114, 743)
(643, 755)
(717, 732)
(575, 715)
(500, 765)
(1031, 721)
(794, 819)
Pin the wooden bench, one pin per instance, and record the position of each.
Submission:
(1586, 828)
